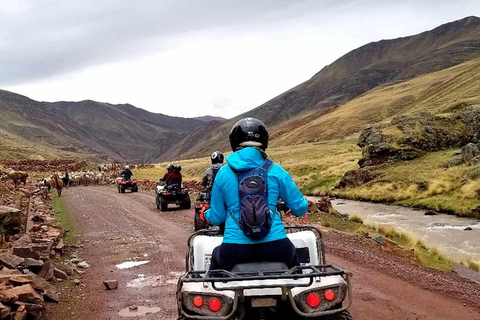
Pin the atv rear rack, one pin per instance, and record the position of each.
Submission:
(295, 273)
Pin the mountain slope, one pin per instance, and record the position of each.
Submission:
(436, 92)
(120, 132)
(359, 71)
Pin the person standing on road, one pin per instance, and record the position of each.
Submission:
(209, 175)
(249, 140)
(127, 173)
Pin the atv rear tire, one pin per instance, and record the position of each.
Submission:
(344, 315)
(122, 189)
(135, 188)
(199, 223)
(163, 205)
(157, 201)
(186, 203)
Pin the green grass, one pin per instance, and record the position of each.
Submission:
(356, 219)
(64, 219)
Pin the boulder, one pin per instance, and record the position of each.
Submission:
(59, 274)
(10, 220)
(21, 313)
(10, 260)
(354, 178)
(324, 204)
(26, 293)
(4, 311)
(469, 152)
(25, 251)
(47, 271)
(35, 310)
(32, 263)
(41, 285)
(110, 284)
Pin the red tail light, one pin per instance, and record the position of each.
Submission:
(198, 302)
(329, 295)
(215, 304)
(313, 299)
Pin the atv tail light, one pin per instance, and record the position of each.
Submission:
(215, 304)
(329, 295)
(313, 299)
(198, 302)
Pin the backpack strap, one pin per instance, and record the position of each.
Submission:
(267, 165)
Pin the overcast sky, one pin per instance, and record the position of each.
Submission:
(196, 57)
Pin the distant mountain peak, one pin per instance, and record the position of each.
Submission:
(209, 118)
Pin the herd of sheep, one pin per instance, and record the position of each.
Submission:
(106, 174)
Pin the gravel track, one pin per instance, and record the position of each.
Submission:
(115, 228)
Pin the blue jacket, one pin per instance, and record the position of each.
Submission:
(225, 198)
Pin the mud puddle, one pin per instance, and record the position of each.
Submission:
(137, 311)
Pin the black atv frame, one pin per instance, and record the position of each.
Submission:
(173, 195)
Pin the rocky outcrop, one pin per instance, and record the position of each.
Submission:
(408, 137)
(471, 153)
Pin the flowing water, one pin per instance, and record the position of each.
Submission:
(442, 231)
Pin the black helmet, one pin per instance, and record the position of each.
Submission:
(217, 157)
(177, 167)
(249, 132)
(170, 167)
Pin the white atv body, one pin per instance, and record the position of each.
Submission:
(264, 290)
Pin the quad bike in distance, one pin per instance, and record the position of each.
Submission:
(123, 185)
(263, 290)
(172, 194)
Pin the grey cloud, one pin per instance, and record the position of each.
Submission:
(39, 39)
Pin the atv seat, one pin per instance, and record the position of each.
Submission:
(255, 267)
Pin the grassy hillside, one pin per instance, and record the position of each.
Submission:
(121, 132)
(436, 92)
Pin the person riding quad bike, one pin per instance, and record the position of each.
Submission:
(234, 204)
(127, 173)
(202, 202)
(173, 175)
(126, 183)
(256, 270)
(172, 191)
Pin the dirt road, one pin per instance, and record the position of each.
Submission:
(117, 228)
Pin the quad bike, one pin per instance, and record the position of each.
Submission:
(264, 290)
(127, 185)
(174, 193)
(202, 202)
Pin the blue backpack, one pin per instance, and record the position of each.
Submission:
(255, 218)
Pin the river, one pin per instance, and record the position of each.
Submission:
(444, 232)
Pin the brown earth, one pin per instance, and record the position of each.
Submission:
(114, 228)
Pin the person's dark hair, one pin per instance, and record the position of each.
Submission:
(249, 132)
(217, 157)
